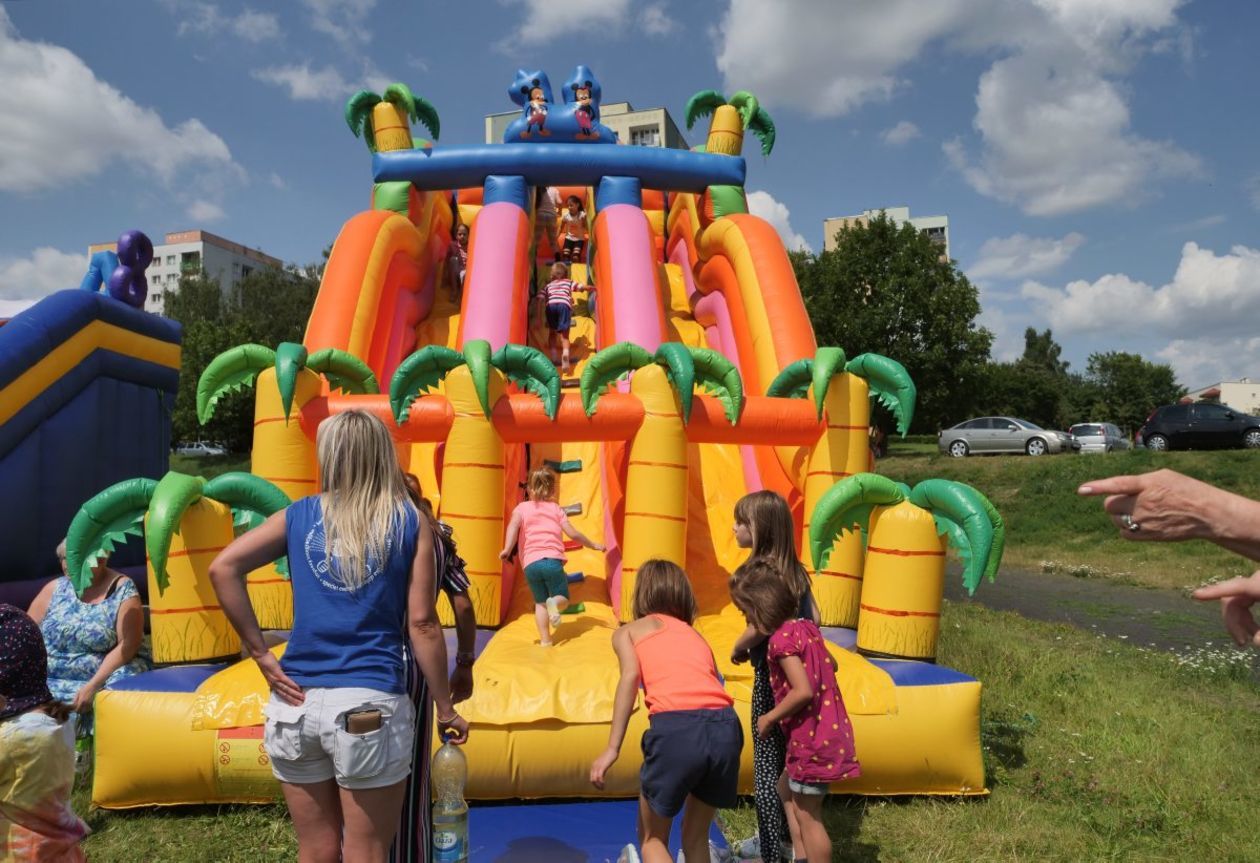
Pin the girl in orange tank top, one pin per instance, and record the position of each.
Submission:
(691, 750)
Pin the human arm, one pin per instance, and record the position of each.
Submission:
(796, 699)
(466, 638)
(573, 533)
(129, 625)
(623, 704)
(513, 531)
(39, 605)
(1168, 506)
(428, 644)
(747, 640)
(243, 555)
(1237, 596)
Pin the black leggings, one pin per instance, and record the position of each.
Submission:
(769, 758)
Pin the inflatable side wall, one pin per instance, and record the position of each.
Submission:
(87, 385)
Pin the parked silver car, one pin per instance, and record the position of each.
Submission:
(1099, 437)
(1003, 434)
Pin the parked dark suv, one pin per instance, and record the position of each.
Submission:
(1200, 426)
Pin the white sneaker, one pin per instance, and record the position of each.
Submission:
(553, 613)
(747, 849)
(628, 855)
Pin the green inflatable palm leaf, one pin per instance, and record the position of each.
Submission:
(477, 358)
(252, 499)
(961, 513)
(530, 370)
(847, 506)
(344, 371)
(890, 383)
(718, 375)
(795, 379)
(607, 366)
(680, 369)
(108, 518)
(174, 493)
(230, 371)
(420, 372)
(358, 116)
(703, 104)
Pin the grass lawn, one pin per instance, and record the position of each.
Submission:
(1049, 527)
(209, 466)
(1095, 750)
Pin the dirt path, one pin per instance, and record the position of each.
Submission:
(1160, 619)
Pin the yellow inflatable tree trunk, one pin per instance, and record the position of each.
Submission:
(843, 450)
(391, 127)
(186, 620)
(473, 491)
(903, 584)
(656, 482)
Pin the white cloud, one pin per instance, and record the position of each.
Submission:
(903, 133)
(344, 20)
(1053, 122)
(1206, 361)
(1195, 226)
(763, 204)
(205, 211)
(308, 84)
(276, 181)
(1211, 297)
(207, 19)
(1020, 256)
(656, 21)
(545, 21)
(1056, 139)
(45, 270)
(304, 83)
(1252, 187)
(63, 124)
(1008, 336)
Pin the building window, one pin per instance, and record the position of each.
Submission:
(170, 260)
(245, 271)
(646, 136)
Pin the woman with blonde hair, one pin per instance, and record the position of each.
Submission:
(340, 728)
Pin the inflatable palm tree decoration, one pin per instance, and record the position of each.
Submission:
(685, 367)
(524, 366)
(888, 380)
(239, 366)
(905, 564)
(384, 121)
(730, 119)
(185, 520)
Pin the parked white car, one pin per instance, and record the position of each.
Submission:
(200, 447)
(1099, 437)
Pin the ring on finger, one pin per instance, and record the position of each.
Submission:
(1130, 525)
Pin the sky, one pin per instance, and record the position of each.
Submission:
(1097, 159)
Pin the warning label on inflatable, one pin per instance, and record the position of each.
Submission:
(241, 766)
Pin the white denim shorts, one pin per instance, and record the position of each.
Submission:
(308, 742)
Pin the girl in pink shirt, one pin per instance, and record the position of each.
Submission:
(541, 525)
(808, 706)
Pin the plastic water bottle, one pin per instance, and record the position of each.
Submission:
(450, 811)
(82, 752)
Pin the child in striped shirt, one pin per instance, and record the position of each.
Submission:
(559, 303)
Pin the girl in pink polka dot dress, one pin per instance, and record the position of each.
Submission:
(808, 706)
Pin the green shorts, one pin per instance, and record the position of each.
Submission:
(546, 578)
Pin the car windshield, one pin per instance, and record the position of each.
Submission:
(1027, 425)
(1087, 430)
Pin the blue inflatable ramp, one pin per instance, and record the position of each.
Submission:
(588, 832)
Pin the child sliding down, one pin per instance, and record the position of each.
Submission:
(541, 525)
(691, 749)
(808, 706)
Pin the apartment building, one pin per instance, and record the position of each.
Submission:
(935, 227)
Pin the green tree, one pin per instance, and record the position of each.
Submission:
(1036, 387)
(1129, 387)
(885, 290)
(268, 306)
(1043, 352)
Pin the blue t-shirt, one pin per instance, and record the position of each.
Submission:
(342, 637)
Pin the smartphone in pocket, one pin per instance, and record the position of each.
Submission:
(363, 721)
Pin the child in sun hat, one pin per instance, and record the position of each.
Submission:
(37, 821)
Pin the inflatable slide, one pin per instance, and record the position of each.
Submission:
(697, 379)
